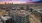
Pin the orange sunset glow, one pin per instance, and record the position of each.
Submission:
(16, 2)
(2, 2)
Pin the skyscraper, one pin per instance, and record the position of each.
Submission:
(22, 17)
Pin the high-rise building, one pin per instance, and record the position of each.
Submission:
(22, 18)
(5, 2)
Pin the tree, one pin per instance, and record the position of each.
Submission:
(22, 8)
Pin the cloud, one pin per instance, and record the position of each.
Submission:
(19, 0)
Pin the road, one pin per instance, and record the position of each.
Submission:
(34, 19)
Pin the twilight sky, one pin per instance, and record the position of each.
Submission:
(19, 0)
